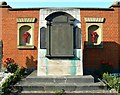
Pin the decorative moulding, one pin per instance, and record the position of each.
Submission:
(24, 20)
(100, 20)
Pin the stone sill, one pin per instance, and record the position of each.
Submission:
(26, 47)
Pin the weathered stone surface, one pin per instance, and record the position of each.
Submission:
(99, 92)
(59, 79)
(59, 67)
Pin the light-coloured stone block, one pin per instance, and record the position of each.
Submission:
(41, 71)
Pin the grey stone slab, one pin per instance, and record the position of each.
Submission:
(70, 94)
(60, 79)
(96, 92)
(71, 84)
(33, 88)
(79, 80)
(58, 86)
(41, 80)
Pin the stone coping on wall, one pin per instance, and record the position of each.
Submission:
(14, 9)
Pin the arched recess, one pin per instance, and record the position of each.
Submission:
(94, 32)
(91, 29)
(25, 33)
(22, 30)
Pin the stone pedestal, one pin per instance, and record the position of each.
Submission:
(59, 66)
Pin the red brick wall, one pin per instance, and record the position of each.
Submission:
(9, 37)
(111, 42)
(119, 35)
(119, 32)
(91, 57)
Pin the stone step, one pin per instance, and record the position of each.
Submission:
(92, 92)
(58, 86)
(48, 85)
(59, 79)
(77, 79)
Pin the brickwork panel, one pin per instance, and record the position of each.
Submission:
(26, 58)
(111, 39)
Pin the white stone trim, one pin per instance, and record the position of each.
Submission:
(94, 19)
(31, 44)
(100, 32)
